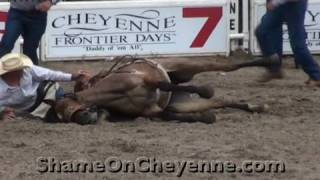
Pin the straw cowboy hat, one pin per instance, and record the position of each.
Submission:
(14, 61)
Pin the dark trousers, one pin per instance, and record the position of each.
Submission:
(31, 25)
(270, 36)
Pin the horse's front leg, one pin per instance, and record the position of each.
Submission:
(204, 117)
(199, 105)
(185, 103)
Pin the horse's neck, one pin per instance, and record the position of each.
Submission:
(102, 74)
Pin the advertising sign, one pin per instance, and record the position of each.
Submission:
(91, 30)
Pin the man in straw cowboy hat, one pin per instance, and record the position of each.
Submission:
(25, 87)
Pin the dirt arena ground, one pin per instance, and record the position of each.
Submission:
(288, 132)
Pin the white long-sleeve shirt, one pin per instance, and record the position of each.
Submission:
(24, 96)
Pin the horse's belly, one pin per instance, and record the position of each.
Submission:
(135, 101)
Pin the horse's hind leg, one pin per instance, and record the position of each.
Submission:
(184, 72)
(202, 91)
(198, 110)
(187, 109)
(206, 104)
(205, 117)
(186, 104)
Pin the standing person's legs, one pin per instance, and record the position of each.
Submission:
(34, 28)
(295, 15)
(278, 37)
(269, 34)
(13, 30)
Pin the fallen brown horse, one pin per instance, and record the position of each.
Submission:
(141, 87)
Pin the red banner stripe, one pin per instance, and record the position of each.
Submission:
(214, 14)
(3, 16)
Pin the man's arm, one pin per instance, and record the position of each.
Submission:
(42, 74)
(45, 5)
(6, 113)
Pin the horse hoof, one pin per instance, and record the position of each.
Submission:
(208, 117)
(258, 108)
(206, 92)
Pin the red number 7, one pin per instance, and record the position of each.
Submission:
(3, 19)
(214, 14)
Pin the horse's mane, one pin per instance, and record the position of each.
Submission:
(118, 61)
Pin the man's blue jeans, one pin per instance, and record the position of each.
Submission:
(31, 25)
(269, 35)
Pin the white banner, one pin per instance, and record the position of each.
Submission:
(312, 25)
(91, 30)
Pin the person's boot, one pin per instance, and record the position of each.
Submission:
(311, 82)
(271, 73)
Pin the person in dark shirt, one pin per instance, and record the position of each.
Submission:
(29, 19)
(269, 35)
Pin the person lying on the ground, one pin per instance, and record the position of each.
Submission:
(25, 87)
